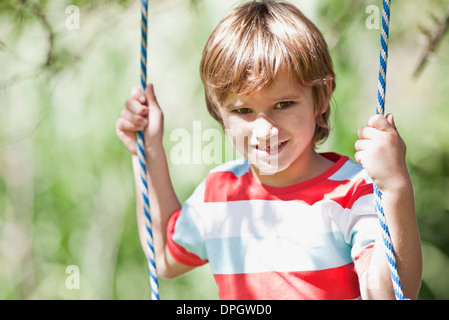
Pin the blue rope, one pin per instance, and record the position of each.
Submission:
(143, 170)
(381, 110)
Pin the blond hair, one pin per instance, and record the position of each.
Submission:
(257, 40)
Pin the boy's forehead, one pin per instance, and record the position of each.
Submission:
(284, 81)
(283, 87)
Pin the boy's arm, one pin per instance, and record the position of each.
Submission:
(400, 215)
(163, 202)
(382, 152)
(142, 113)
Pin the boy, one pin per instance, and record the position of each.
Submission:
(286, 222)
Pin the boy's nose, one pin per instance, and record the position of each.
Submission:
(264, 129)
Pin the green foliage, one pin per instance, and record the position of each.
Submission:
(66, 189)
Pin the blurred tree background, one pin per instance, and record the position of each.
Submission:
(66, 189)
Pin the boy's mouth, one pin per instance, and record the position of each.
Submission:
(272, 149)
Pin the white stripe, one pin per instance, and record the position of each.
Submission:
(266, 218)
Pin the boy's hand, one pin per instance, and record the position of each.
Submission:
(381, 151)
(141, 113)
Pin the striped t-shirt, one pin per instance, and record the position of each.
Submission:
(311, 240)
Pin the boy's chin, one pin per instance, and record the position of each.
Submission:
(266, 169)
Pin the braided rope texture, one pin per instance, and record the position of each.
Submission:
(381, 110)
(143, 171)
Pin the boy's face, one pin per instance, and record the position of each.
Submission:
(274, 127)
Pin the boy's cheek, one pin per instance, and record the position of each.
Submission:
(239, 139)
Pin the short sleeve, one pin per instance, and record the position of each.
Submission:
(184, 232)
(362, 229)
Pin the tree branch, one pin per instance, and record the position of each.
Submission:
(434, 40)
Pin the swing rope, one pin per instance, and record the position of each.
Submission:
(381, 110)
(141, 155)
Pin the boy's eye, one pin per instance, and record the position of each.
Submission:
(284, 104)
(242, 110)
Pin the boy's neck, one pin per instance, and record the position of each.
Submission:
(306, 167)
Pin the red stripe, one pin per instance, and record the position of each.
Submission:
(225, 186)
(331, 284)
(179, 253)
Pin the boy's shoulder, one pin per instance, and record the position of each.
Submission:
(345, 169)
(218, 178)
(237, 167)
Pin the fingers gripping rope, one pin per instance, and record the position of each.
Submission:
(143, 171)
(381, 110)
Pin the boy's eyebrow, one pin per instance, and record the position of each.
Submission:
(233, 105)
(289, 97)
